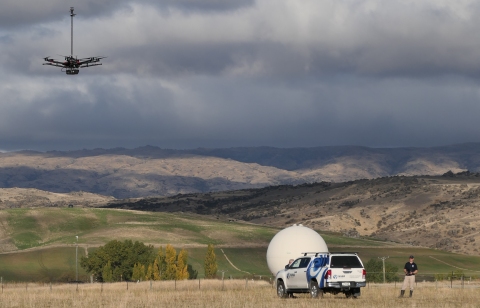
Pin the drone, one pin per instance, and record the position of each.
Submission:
(72, 64)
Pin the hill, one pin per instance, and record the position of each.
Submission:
(38, 227)
(439, 212)
(39, 244)
(152, 171)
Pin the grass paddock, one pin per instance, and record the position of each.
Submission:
(230, 293)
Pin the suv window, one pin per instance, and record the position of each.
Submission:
(300, 263)
(345, 262)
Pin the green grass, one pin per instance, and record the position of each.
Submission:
(338, 239)
(423, 258)
(50, 264)
(38, 227)
(48, 228)
(59, 263)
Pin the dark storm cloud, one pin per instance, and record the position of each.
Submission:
(203, 5)
(20, 13)
(217, 74)
(25, 13)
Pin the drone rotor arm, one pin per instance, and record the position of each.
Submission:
(55, 64)
(90, 64)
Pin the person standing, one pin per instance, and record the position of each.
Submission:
(410, 269)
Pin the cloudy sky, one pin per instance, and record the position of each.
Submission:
(216, 73)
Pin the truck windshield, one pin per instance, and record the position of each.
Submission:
(345, 262)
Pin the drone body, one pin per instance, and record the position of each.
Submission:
(71, 64)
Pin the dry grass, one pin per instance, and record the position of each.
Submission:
(236, 293)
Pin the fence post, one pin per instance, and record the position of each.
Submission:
(246, 283)
(199, 283)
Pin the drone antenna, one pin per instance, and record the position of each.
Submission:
(71, 45)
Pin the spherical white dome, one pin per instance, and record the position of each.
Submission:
(290, 243)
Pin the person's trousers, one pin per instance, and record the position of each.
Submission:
(409, 282)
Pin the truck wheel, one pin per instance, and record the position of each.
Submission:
(356, 293)
(348, 294)
(314, 290)
(281, 291)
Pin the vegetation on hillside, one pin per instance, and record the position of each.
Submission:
(210, 265)
(117, 261)
(374, 268)
(429, 211)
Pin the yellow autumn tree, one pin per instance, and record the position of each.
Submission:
(156, 271)
(210, 264)
(182, 269)
(161, 264)
(171, 267)
(138, 272)
(149, 275)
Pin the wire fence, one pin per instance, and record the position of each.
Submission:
(452, 279)
(395, 279)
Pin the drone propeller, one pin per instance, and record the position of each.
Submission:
(94, 58)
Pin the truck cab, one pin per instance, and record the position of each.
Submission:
(318, 273)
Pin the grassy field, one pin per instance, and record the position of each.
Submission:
(46, 239)
(27, 228)
(58, 263)
(230, 293)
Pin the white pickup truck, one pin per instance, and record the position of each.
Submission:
(319, 272)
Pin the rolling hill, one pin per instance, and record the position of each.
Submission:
(39, 244)
(439, 212)
(152, 171)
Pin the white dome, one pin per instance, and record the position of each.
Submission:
(290, 243)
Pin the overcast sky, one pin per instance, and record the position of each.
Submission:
(216, 73)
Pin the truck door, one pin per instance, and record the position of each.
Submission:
(297, 274)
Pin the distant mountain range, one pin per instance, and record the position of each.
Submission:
(152, 171)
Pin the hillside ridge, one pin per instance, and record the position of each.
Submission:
(152, 171)
(438, 212)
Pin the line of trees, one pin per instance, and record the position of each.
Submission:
(117, 261)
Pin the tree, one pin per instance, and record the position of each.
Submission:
(161, 264)
(170, 260)
(107, 274)
(192, 274)
(138, 272)
(182, 267)
(210, 264)
(122, 257)
(149, 275)
(156, 271)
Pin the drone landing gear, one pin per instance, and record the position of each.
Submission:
(72, 71)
